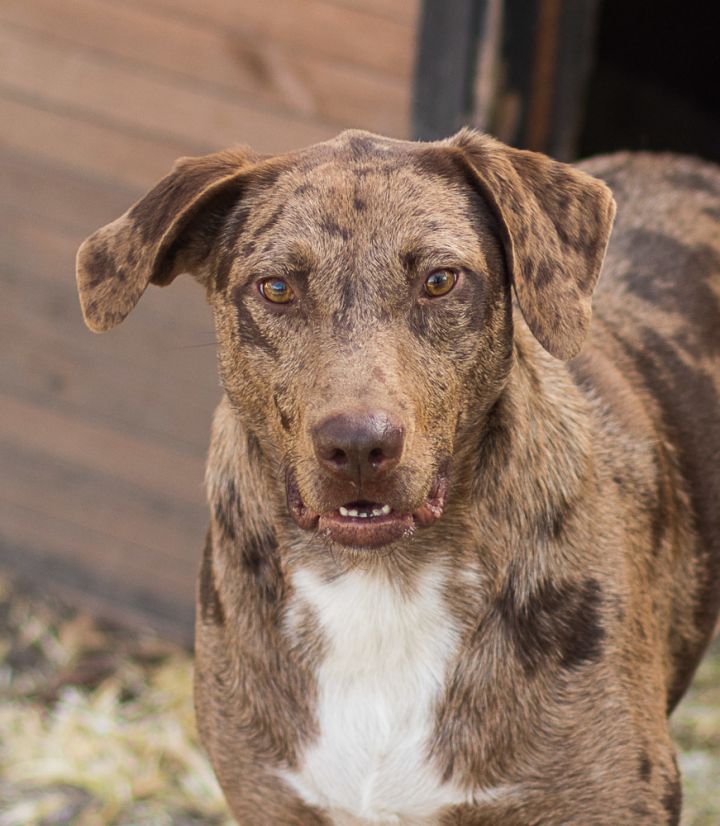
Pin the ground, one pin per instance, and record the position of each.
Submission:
(96, 726)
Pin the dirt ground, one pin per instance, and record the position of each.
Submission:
(96, 726)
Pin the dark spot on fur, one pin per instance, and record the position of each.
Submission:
(248, 330)
(359, 204)
(552, 524)
(284, 418)
(659, 260)
(495, 448)
(712, 212)
(223, 269)
(441, 163)
(558, 621)
(361, 147)
(259, 554)
(304, 188)
(644, 768)
(100, 265)
(672, 800)
(248, 249)
(348, 295)
(331, 226)
(267, 225)
(211, 608)
(544, 275)
(409, 260)
(266, 176)
(227, 509)
(694, 181)
(254, 448)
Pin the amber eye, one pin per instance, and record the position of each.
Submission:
(440, 283)
(276, 290)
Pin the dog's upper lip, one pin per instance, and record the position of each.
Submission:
(348, 525)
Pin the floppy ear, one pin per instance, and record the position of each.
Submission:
(556, 222)
(169, 231)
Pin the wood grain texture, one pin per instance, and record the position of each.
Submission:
(229, 64)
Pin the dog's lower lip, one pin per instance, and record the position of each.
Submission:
(365, 531)
(368, 524)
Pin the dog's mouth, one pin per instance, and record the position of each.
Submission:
(366, 524)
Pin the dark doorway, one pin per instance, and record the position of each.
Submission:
(656, 79)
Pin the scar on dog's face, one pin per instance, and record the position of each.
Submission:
(361, 291)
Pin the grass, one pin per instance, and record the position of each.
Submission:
(97, 727)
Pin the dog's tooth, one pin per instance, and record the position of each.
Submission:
(377, 512)
(385, 510)
(343, 511)
(352, 512)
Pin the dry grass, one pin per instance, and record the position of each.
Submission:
(96, 727)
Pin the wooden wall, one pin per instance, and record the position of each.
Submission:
(102, 438)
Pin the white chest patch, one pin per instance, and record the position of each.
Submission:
(386, 663)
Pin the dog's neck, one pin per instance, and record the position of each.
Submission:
(533, 460)
(513, 484)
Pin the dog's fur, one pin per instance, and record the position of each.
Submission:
(512, 662)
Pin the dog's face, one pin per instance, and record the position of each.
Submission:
(361, 293)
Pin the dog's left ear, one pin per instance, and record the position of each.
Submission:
(556, 222)
(169, 231)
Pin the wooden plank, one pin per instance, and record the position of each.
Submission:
(57, 555)
(148, 524)
(132, 161)
(34, 253)
(134, 381)
(130, 100)
(324, 28)
(103, 449)
(403, 11)
(168, 400)
(236, 66)
(75, 203)
(445, 67)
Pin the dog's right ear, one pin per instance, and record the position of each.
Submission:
(169, 231)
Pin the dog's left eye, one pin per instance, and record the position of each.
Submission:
(276, 290)
(440, 282)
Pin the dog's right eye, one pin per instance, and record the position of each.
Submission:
(276, 290)
(440, 282)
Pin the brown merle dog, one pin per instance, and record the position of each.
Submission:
(460, 567)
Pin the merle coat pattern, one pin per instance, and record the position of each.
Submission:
(505, 646)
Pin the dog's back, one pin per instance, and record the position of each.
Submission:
(657, 322)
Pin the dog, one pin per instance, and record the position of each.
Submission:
(464, 546)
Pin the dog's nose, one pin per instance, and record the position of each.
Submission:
(358, 446)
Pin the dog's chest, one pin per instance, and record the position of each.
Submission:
(386, 661)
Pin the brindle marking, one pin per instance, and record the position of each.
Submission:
(580, 540)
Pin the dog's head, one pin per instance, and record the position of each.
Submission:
(361, 291)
